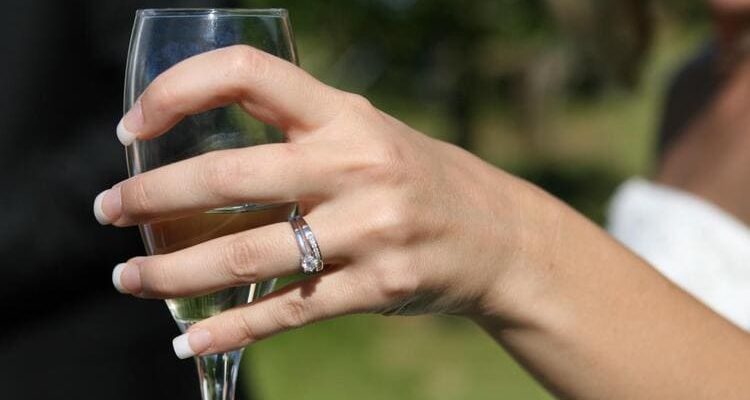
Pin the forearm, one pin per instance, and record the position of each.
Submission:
(593, 321)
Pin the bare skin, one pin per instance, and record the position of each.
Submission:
(712, 159)
(410, 225)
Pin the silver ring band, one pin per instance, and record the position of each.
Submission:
(311, 259)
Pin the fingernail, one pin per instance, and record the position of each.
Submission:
(108, 205)
(191, 343)
(127, 278)
(98, 212)
(130, 124)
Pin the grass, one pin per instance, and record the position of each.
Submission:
(372, 357)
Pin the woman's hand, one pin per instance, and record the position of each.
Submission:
(406, 224)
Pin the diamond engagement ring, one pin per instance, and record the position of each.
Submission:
(311, 260)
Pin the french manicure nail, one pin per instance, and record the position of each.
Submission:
(108, 205)
(127, 278)
(125, 136)
(191, 343)
(98, 211)
(130, 124)
(117, 277)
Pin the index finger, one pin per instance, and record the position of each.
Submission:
(271, 89)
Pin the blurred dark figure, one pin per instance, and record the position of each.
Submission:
(705, 135)
(67, 334)
(692, 221)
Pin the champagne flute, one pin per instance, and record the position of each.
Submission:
(160, 39)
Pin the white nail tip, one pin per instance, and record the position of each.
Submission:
(182, 347)
(98, 211)
(125, 136)
(117, 277)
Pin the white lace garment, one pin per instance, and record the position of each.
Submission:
(694, 243)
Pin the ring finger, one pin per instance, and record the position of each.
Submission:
(234, 260)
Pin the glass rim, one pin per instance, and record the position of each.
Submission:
(201, 12)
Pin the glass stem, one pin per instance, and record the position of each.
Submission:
(218, 372)
(218, 375)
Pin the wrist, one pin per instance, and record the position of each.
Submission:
(527, 264)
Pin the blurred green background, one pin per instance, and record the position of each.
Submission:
(566, 93)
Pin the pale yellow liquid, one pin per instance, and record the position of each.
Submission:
(169, 236)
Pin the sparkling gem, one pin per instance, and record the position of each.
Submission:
(310, 264)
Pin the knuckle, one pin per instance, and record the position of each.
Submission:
(383, 160)
(156, 277)
(240, 255)
(221, 174)
(137, 198)
(160, 98)
(394, 282)
(246, 330)
(244, 60)
(383, 153)
(392, 224)
(289, 151)
(359, 103)
(388, 161)
(292, 313)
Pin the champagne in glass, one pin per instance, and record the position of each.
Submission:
(169, 236)
(160, 39)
